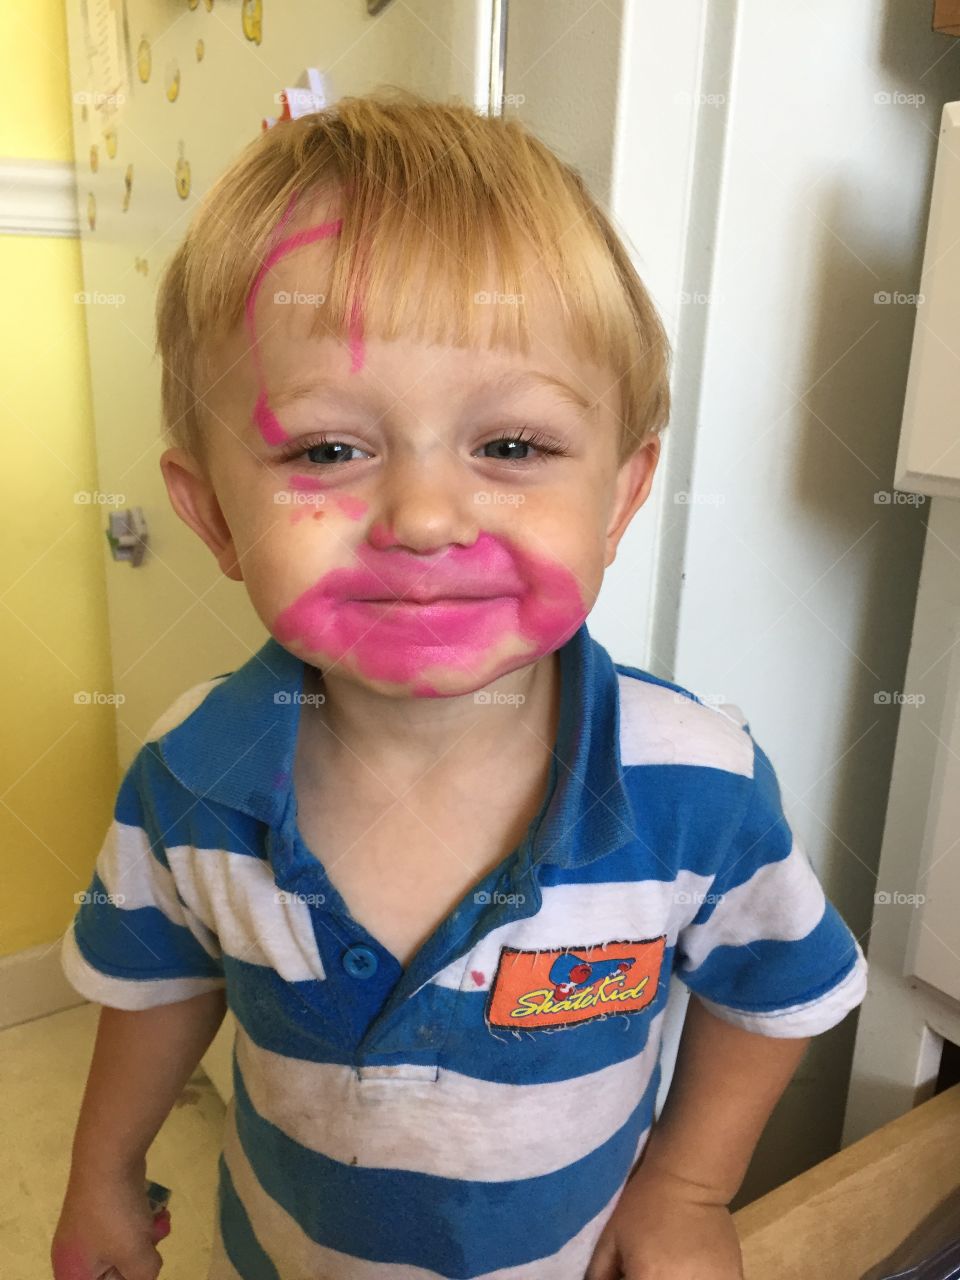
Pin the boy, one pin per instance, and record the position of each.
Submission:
(435, 850)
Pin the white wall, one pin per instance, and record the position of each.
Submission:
(754, 170)
(799, 589)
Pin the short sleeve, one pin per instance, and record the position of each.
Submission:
(767, 950)
(133, 942)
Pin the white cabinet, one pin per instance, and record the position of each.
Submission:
(913, 1002)
(928, 460)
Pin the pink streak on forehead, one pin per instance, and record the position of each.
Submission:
(264, 418)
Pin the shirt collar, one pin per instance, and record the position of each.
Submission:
(237, 748)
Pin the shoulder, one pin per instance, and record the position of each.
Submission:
(182, 707)
(663, 723)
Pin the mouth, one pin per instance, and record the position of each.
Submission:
(416, 601)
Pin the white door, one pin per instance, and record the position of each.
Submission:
(164, 97)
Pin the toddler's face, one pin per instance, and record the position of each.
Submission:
(383, 533)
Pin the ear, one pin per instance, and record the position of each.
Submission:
(193, 498)
(632, 489)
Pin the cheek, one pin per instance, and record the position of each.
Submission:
(309, 497)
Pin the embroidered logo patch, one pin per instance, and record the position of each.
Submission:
(559, 987)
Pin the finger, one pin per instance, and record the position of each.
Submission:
(145, 1264)
(72, 1262)
(161, 1225)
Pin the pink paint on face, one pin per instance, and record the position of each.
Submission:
(398, 614)
(353, 507)
(309, 510)
(265, 420)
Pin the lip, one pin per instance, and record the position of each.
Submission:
(418, 601)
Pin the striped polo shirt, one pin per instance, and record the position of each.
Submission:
(477, 1113)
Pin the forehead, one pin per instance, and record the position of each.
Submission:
(288, 330)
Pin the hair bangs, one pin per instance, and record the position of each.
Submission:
(455, 228)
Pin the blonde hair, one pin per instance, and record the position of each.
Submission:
(433, 188)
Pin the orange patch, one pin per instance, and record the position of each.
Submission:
(560, 987)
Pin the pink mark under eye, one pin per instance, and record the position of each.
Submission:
(350, 506)
(297, 516)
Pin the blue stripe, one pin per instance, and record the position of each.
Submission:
(685, 818)
(302, 1020)
(241, 1244)
(151, 798)
(765, 835)
(139, 943)
(766, 976)
(457, 1227)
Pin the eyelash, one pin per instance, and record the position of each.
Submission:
(536, 439)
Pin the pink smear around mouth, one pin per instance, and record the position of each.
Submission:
(264, 418)
(537, 603)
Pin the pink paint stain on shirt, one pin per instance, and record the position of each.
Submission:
(265, 420)
(481, 598)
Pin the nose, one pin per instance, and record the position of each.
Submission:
(427, 502)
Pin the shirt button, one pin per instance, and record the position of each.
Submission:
(359, 962)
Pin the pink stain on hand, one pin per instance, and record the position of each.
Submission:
(471, 600)
(161, 1225)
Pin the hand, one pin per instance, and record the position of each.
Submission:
(664, 1228)
(106, 1229)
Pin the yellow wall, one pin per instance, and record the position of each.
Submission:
(60, 761)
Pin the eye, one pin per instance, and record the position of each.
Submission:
(321, 450)
(518, 444)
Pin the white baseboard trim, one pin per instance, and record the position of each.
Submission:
(38, 198)
(32, 984)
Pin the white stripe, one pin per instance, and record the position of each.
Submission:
(293, 1253)
(126, 993)
(781, 902)
(585, 915)
(181, 707)
(236, 896)
(134, 879)
(443, 1127)
(809, 1018)
(661, 726)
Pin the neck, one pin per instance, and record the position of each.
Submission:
(408, 736)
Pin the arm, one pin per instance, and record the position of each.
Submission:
(141, 1061)
(673, 1209)
(725, 1085)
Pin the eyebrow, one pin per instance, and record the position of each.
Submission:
(333, 389)
(533, 377)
